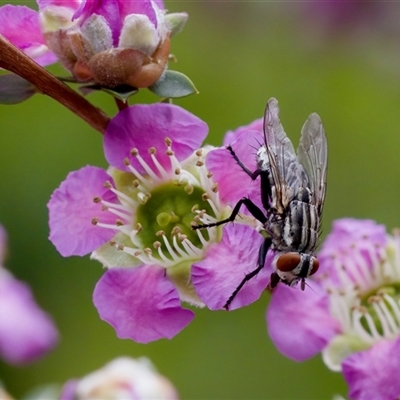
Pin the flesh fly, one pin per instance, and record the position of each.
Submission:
(293, 188)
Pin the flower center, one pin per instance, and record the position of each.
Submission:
(367, 302)
(157, 209)
(169, 212)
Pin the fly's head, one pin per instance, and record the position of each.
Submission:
(293, 267)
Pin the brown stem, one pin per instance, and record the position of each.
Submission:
(14, 60)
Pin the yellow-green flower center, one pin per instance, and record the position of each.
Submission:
(169, 211)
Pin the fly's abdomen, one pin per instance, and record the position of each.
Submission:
(300, 228)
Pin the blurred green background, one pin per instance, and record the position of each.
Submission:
(238, 54)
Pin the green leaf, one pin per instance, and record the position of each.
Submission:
(176, 22)
(173, 84)
(121, 92)
(14, 89)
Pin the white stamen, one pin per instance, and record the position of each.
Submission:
(133, 236)
(123, 198)
(359, 328)
(371, 325)
(116, 206)
(147, 168)
(160, 168)
(144, 180)
(191, 249)
(387, 315)
(170, 249)
(123, 215)
(108, 226)
(383, 321)
(363, 278)
(167, 261)
(178, 248)
(341, 310)
(201, 237)
(142, 198)
(394, 306)
(214, 208)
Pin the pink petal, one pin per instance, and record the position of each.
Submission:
(68, 390)
(217, 276)
(350, 237)
(140, 303)
(256, 125)
(109, 9)
(20, 25)
(140, 7)
(299, 322)
(374, 373)
(72, 4)
(147, 125)
(233, 182)
(26, 332)
(71, 208)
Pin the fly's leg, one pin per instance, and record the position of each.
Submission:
(262, 254)
(253, 175)
(273, 283)
(253, 209)
(266, 191)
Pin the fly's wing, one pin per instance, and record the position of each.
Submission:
(285, 171)
(313, 156)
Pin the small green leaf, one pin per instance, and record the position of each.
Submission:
(122, 92)
(14, 89)
(176, 22)
(173, 84)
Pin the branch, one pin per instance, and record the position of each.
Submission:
(14, 60)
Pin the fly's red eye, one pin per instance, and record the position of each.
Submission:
(315, 266)
(288, 262)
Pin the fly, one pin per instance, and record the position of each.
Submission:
(293, 188)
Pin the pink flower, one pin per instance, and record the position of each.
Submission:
(352, 312)
(26, 332)
(136, 220)
(108, 42)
